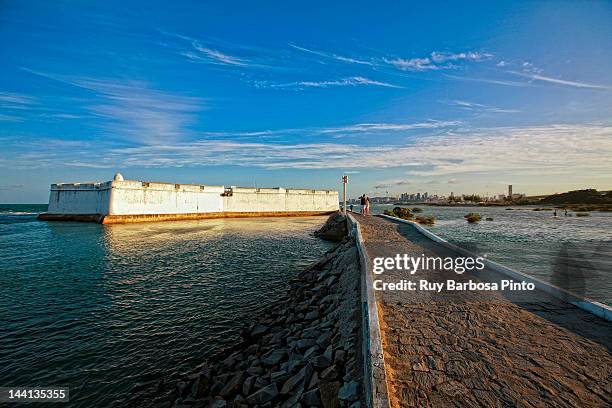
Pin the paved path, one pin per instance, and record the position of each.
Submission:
(483, 349)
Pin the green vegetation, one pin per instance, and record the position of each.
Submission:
(400, 212)
(472, 217)
(425, 219)
(406, 214)
(417, 210)
(582, 214)
(588, 196)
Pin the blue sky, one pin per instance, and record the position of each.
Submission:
(438, 97)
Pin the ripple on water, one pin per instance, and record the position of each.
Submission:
(101, 308)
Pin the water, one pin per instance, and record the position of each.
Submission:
(571, 252)
(102, 308)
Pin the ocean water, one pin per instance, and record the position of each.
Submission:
(102, 308)
(571, 252)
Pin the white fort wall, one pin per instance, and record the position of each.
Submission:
(134, 201)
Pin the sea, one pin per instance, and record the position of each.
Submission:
(105, 309)
(572, 252)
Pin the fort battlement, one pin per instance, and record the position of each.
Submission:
(122, 201)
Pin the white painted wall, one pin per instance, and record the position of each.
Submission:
(128, 197)
(272, 199)
(79, 198)
(136, 197)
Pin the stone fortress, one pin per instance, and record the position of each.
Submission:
(125, 201)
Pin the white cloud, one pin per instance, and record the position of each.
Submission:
(559, 149)
(478, 107)
(350, 81)
(8, 99)
(575, 84)
(214, 56)
(337, 57)
(134, 110)
(440, 57)
(436, 60)
(413, 64)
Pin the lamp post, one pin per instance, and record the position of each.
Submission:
(344, 182)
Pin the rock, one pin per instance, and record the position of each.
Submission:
(323, 340)
(264, 395)
(312, 315)
(278, 376)
(301, 378)
(255, 370)
(329, 394)
(314, 381)
(261, 382)
(349, 391)
(340, 356)
(259, 330)
(310, 333)
(311, 352)
(335, 228)
(355, 405)
(248, 385)
(274, 357)
(321, 362)
(201, 385)
(182, 388)
(305, 343)
(328, 354)
(218, 403)
(232, 387)
(330, 373)
(311, 398)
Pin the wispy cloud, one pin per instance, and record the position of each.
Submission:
(8, 99)
(199, 51)
(575, 84)
(358, 128)
(562, 149)
(436, 61)
(214, 56)
(134, 110)
(478, 107)
(393, 183)
(337, 57)
(502, 82)
(343, 82)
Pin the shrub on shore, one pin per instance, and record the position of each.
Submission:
(425, 219)
(472, 217)
(400, 212)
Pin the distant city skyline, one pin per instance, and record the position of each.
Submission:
(438, 97)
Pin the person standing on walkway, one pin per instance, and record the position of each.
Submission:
(362, 202)
(367, 205)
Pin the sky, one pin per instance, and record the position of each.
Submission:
(403, 97)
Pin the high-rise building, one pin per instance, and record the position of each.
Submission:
(509, 190)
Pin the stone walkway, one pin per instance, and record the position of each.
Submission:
(483, 349)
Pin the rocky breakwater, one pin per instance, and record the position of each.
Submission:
(303, 351)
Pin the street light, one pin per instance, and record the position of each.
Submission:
(344, 182)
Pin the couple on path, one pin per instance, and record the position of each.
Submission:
(364, 200)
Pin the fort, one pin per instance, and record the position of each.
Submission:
(126, 201)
